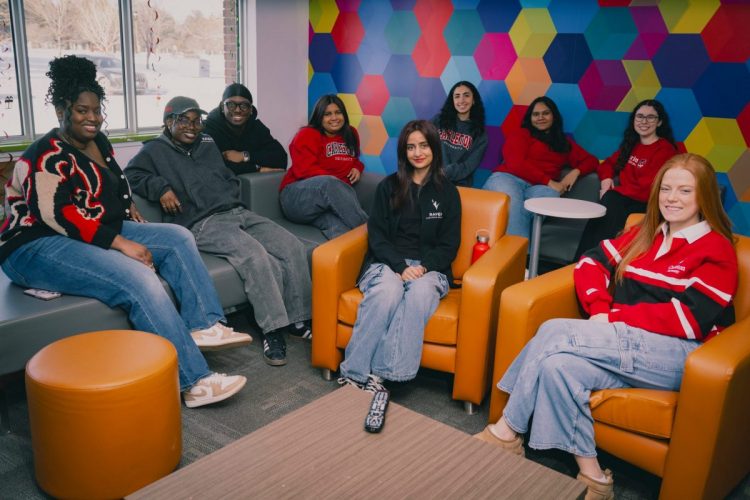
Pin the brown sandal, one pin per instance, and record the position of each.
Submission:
(514, 446)
(598, 490)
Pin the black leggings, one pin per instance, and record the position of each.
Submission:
(618, 209)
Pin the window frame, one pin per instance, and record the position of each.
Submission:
(127, 51)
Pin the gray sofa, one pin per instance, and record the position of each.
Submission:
(28, 324)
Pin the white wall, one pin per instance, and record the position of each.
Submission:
(280, 49)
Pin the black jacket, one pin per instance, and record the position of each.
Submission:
(254, 137)
(440, 231)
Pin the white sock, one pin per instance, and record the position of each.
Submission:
(299, 324)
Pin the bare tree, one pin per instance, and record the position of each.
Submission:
(99, 25)
(206, 34)
(55, 18)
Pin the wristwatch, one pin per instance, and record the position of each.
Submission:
(245, 156)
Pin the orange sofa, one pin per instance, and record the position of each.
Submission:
(459, 336)
(697, 439)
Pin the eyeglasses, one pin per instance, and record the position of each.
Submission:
(243, 106)
(185, 122)
(646, 118)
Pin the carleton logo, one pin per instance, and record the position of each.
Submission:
(437, 214)
(676, 268)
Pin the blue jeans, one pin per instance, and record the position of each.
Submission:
(325, 202)
(519, 219)
(555, 373)
(76, 268)
(271, 261)
(389, 331)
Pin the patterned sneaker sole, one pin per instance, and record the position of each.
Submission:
(274, 362)
(203, 402)
(228, 344)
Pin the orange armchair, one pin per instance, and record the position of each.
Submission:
(697, 439)
(458, 337)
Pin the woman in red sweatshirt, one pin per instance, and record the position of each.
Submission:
(317, 188)
(646, 145)
(653, 295)
(533, 159)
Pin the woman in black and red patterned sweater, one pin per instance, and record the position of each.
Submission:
(675, 275)
(72, 227)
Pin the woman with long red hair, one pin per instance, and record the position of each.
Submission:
(675, 275)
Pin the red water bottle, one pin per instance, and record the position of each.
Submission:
(481, 246)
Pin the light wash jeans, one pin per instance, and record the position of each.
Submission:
(271, 261)
(554, 375)
(73, 267)
(325, 202)
(519, 219)
(389, 331)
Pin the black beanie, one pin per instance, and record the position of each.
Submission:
(237, 90)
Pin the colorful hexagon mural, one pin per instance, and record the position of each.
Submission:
(392, 61)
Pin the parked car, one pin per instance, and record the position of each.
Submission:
(109, 69)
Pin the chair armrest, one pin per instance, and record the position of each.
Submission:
(149, 210)
(482, 285)
(260, 193)
(710, 438)
(335, 268)
(523, 308)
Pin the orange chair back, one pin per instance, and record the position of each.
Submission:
(480, 209)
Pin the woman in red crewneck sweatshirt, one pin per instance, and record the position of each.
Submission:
(533, 159)
(317, 188)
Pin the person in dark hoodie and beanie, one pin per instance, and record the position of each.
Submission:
(413, 236)
(244, 141)
(183, 170)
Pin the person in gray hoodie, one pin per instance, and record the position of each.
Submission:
(463, 138)
(183, 170)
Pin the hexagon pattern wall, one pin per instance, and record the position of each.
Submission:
(392, 61)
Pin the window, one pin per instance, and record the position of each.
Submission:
(146, 51)
(10, 118)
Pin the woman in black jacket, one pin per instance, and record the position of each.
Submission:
(414, 233)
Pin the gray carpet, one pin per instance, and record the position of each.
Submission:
(274, 391)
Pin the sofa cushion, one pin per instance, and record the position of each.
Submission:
(645, 411)
(441, 329)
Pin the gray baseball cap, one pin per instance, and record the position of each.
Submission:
(180, 104)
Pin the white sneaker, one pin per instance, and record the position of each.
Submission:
(219, 336)
(212, 389)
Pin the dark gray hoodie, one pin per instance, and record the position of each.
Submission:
(197, 176)
(462, 152)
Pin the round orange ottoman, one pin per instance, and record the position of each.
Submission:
(104, 411)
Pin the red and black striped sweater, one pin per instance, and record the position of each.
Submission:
(57, 190)
(683, 291)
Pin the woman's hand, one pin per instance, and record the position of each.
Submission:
(557, 186)
(133, 250)
(233, 155)
(601, 318)
(170, 203)
(135, 214)
(413, 272)
(570, 179)
(605, 186)
(353, 175)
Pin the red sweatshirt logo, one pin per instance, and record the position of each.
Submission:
(456, 138)
(337, 148)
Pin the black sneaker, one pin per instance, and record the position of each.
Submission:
(274, 348)
(301, 332)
